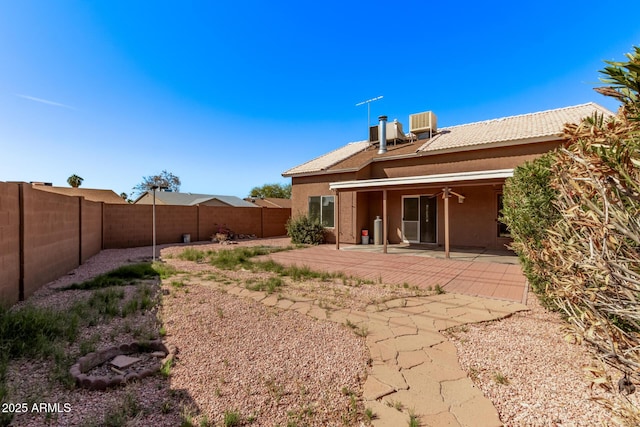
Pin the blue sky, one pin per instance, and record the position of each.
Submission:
(228, 95)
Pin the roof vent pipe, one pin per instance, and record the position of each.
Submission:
(382, 134)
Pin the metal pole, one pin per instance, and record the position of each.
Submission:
(445, 196)
(384, 221)
(337, 219)
(154, 224)
(368, 102)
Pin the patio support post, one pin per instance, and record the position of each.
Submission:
(384, 221)
(337, 220)
(445, 196)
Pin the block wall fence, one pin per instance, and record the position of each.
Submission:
(45, 235)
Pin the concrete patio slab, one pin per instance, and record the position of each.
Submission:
(487, 276)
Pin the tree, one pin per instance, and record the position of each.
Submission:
(164, 179)
(75, 181)
(278, 191)
(125, 197)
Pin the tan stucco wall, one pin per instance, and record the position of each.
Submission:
(476, 160)
(304, 187)
(472, 223)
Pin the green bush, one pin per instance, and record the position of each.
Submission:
(529, 211)
(303, 230)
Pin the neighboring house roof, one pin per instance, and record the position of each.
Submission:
(270, 202)
(522, 129)
(192, 199)
(92, 194)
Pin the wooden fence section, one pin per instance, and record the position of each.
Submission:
(45, 235)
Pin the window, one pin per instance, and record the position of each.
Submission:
(321, 209)
(503, 230)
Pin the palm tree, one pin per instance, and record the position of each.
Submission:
(75, 181)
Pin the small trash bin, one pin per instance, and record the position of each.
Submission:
(186, 238)
(365, 237)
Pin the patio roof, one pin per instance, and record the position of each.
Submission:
(445, 178)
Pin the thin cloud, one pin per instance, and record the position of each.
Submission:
(44, 101)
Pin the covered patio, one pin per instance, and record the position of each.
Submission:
(420, 203)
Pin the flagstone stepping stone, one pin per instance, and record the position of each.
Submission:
(123, 362)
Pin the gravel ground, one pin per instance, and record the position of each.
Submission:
(275, 366)
(530, 372)
(265, 364)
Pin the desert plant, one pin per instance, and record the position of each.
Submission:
(304, 230)
(269, 285)
(414, 420)
(194, 255)
(165, 369)
(589, 256)
(500, 378)
(529, 211)
(232, 418)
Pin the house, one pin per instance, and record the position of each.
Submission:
(191, 199)
(431, 186)
(92, 194)
(270, 202)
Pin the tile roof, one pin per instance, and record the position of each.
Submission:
(192, 199)
(270, 202)
(327, 160)
(544, 125)
(92, 194)
(548, 123)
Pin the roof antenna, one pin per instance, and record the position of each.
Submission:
(368, 102)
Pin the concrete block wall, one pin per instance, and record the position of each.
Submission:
(174, 221)
(51, 242)
(9, 243)
(45, 235)
(274, 221)
(91, 232)
(239, 220)
(127, 226)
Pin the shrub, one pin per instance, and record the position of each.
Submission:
(529, 212)
(304, 230)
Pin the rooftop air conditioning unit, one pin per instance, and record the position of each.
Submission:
(394, 132)
(423, 123)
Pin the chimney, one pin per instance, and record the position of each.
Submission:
(382, 134)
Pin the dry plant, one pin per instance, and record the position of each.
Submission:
(589, 256)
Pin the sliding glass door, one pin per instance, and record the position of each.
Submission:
(419, 219)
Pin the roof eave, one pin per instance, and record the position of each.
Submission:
(323, 172)
(485, 175)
